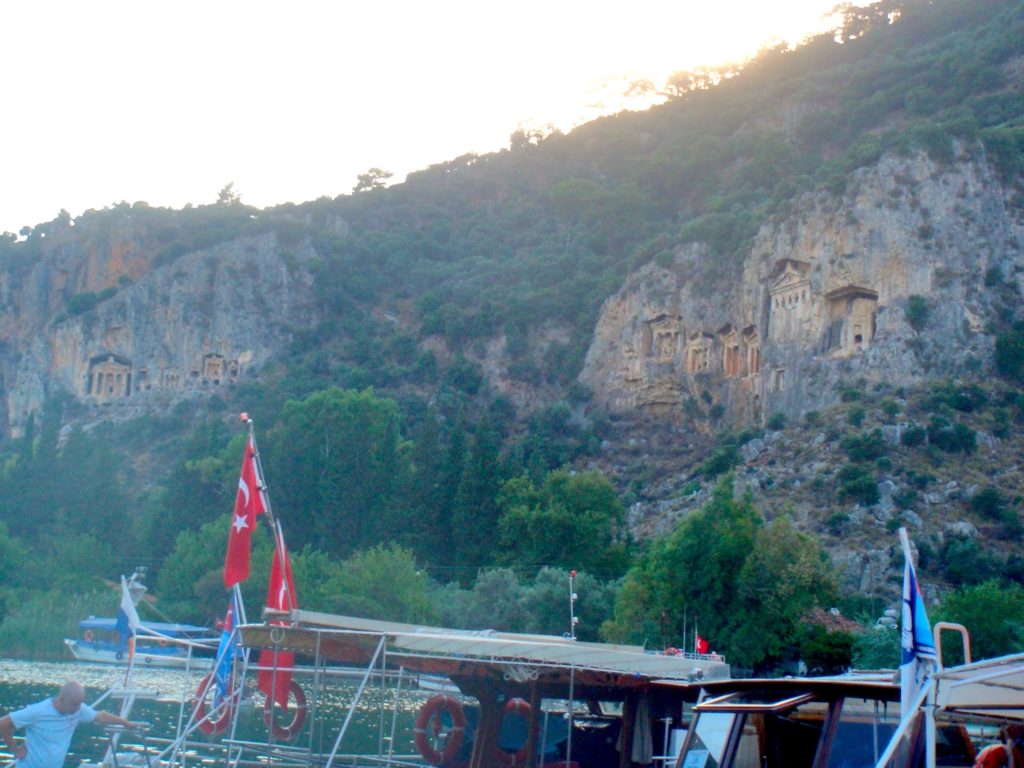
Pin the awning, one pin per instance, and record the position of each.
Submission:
(993, 688)
(347, 639)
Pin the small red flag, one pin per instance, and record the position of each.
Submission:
(701, 645)
(280, 597)
(248, 504)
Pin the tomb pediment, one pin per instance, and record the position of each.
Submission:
(783, 266)
(851, 291)
(787, 281)
(110, 357)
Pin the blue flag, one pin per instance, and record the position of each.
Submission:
(225, 656)
(917, 657)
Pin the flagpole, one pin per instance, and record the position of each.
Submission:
(275, 524)
(247, 419)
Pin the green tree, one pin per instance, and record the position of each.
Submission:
(574, 520)
(340, 452)
(190, 585)
(917, 312)
(475, 511)
(992, 612)
(546, 603)
(694, 569)
(1009, 355)
(383, 583)
(200, 488)
(228, 195)
(14, 569)
(428, 531)
(451, 470)
(877, 647)
(375, 178)
(495, 601)
(824, 652)
(785, 575)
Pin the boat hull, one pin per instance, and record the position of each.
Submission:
(83, 650)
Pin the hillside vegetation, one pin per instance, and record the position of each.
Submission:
(411, 488)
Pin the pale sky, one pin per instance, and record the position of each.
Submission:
(111, 100)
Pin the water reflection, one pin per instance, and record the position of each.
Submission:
(25, 682)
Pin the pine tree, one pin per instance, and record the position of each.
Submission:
(475, 512)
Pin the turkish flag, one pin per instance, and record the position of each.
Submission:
(248, 504)
(280, 597)
(701, 645)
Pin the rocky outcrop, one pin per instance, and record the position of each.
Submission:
(197, 323)
(894, 282)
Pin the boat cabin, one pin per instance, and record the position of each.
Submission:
(516, 700)
(839, 722)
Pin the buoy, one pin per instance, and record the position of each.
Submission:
(291, 730)
(211, 727)
(430, 716)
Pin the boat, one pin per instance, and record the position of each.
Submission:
(539, 701)
(157, 644)
(854, 720)
(153, 643)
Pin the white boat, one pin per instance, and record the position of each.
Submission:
(155, 644)
(178, 645)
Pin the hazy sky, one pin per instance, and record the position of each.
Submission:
(114, 100)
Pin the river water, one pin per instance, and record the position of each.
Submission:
(25, 682)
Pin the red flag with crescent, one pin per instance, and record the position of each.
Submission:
(248, 504)
(280, 597)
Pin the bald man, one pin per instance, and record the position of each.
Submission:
(49, 726)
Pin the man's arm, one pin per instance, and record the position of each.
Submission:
(109, 718)
(7, 734)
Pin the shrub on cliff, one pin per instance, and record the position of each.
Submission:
(1009, 356)
(856, 482)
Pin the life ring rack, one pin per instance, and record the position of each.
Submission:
(291, 730)
(429, 719)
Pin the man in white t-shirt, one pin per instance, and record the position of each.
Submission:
(49, 726)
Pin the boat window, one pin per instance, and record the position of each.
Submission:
(710, 736)
(781, 738)
(864, 729)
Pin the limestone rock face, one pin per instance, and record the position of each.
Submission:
(891, 283)
(197, 323)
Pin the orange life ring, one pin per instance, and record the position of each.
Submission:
(992, 756)
(430, 717)
(211, 727)
(290, 731)
(522, 708)
(88, 636)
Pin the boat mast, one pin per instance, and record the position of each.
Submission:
(275, 524)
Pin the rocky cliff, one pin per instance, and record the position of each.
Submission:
(100, 319)
(896, 281)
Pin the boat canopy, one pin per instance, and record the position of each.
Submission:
(480, 654)
(993, 688)
(110, 625)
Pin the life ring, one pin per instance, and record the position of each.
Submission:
(291, 730)
(88, 636)
(994, 756)
(522, 708)
(430, 717)
(214, 726)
